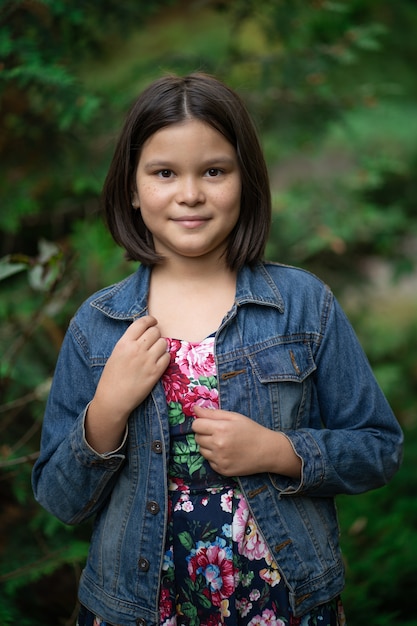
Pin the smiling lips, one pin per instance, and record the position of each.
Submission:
(191, 221)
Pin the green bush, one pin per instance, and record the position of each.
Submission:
(332, 88)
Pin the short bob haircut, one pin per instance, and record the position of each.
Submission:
(170, 100)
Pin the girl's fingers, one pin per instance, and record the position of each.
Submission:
(202, 426)
(203, 412)
(146, 335)
(160, 348)
(139, 327)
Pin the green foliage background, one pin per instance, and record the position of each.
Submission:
(332, 88)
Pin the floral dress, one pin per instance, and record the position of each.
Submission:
(217, 568)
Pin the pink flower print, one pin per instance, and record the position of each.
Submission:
(184, 503)
(215, 563)
(266, 619)
(175, 383)
(172, 621)
(165, 604)
(226, 501)
(254, 547)
(178, 484)
(240, 520)
(243, 606)
(269, 616)
(201, 395)
(173, 346)
(254, 595)
(245, 533)
(237, 577)
(187, 506)
(197, 359)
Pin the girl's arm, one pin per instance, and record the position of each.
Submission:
(137, 362)
(358, 446)
(79, 464)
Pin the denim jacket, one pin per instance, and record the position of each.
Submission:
(286, 357)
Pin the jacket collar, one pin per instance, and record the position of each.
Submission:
(128, 299)
(256, 286)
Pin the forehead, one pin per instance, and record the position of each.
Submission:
(193, 135)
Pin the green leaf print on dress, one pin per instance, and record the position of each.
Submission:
(187, 454)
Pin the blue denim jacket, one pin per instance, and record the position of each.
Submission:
(288, 358)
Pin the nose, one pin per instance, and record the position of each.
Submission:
(190, 191)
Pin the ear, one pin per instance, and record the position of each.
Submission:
(135, 200)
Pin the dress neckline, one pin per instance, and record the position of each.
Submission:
(192, 343)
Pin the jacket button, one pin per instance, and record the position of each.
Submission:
(141, 622)
(143, 565)
(157, 446)
(153, 507)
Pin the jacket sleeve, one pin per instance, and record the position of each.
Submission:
(359, 446)
(70, 479)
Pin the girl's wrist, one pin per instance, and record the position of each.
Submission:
(281, 456)
(104, 431)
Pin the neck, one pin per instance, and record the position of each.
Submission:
(194, 269)
(208, 289)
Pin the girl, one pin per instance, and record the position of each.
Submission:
(208, 408)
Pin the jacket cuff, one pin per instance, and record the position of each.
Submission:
(87, 455)
(312, 465)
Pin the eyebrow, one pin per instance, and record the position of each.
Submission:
(216, 160)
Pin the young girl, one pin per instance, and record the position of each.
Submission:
(208, 408)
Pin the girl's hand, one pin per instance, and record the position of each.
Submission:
(235, 445)
(137, 362)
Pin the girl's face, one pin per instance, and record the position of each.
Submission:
(188, 189)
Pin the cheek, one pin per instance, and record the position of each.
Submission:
(236, 190)
(231, 198)
(150, 196)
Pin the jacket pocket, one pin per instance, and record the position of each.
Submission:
(282, 372)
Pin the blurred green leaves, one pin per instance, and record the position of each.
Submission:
(43, 271)
(331, 86)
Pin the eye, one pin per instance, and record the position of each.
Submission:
(164, 173)
(214, 171)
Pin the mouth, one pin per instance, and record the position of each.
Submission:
(191, 221)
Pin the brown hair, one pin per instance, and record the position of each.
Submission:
(170, 100)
